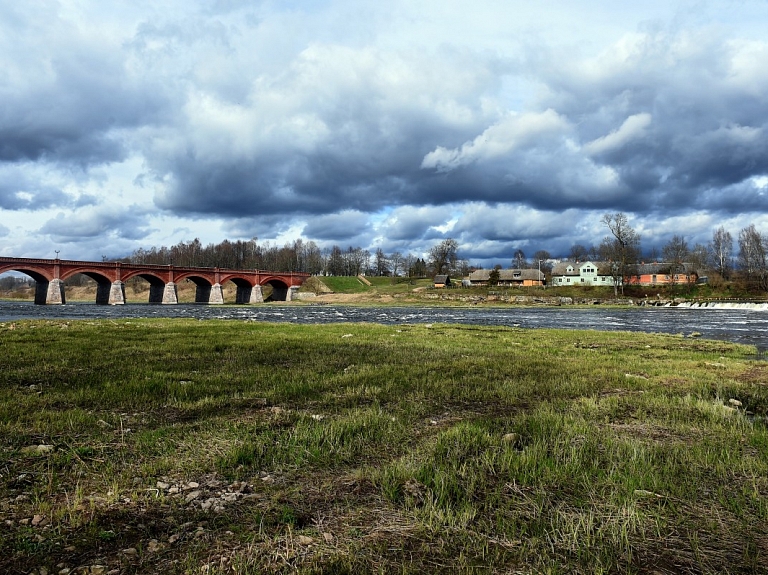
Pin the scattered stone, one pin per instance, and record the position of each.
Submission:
(37, 520)
(192, 495)
(37, 449)
(304, 540)
(318, 417)
(329, 538)
(70, 548)
(173, 538)
(98, 569)
(193, 485)
(130, 552)
(153, 546)
(163, 485)
(510, 438)
(735, 402)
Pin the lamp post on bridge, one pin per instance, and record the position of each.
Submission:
(57, 253)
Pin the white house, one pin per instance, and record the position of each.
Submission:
(582, 273)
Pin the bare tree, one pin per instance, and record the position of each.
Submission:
(540, 259)
(721, 250)
(519, 260)
(675, 252)
(699, 258)
(621, 248)
(443, 256)
(396, 262)
(381, 263)
(578, 253)
(753, 256)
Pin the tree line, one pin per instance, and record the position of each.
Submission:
(301, 256)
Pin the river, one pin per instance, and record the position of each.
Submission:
(748, 326)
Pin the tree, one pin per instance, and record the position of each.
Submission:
(699, 256)
(493, 277)
(519, 260)
(396, 261)
(621, 248)
(753, 256)
(721, 250)
(443, 256)
(675, 252)
(578, 253)
(381, 263)
(540, 259)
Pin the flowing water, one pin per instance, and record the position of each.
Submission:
(743, 323)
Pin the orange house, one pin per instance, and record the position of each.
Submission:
(662, 274)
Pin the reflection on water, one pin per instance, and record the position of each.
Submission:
(749, 326)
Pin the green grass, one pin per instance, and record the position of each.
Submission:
(378, 449)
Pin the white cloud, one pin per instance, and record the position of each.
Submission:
(633, 128)
(511, 133)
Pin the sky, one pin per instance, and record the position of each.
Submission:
(505, 125)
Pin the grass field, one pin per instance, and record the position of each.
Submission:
(178, 446)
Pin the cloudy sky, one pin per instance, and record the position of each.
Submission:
(504, 124)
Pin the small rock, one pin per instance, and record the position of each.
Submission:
(510, 438)
(318, 417)
(37, 449)
(98, 569)
(37, 520)
(174, 490)
(304, 540)
(70, 548)
(193, 485)
(65, 571)
(153, 546)
(192, 495)
(735, 402)
(162, 485)
(173, 538)
(130, 552)
(328, 537)
(43, 571)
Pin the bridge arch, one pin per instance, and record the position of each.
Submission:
(160, 291)
(280, 289)
(103, 282)
(44, 282)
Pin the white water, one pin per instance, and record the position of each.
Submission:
(724, 305)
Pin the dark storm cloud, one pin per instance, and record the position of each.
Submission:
(128, 223)
(340, 226)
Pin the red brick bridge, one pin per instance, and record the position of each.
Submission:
(110, 277)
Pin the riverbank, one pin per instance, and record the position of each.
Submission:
(223, 446)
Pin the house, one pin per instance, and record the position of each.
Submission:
(568, 273)
(442, 281)
(513, 277)
(660, 273)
